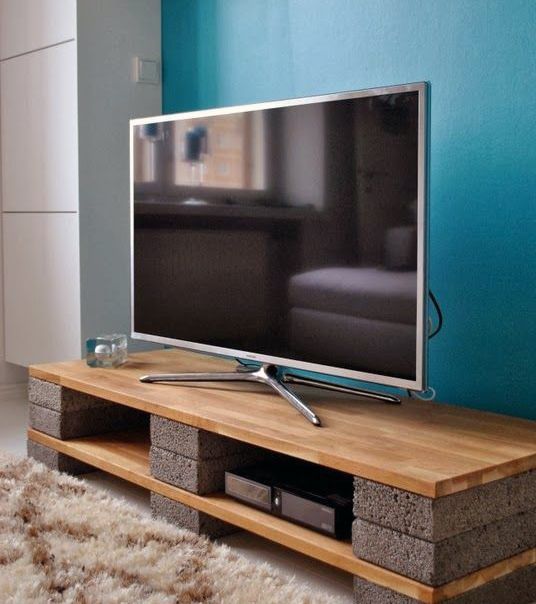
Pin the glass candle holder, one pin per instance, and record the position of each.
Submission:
(109, 350)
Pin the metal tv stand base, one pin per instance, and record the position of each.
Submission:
(270, 375)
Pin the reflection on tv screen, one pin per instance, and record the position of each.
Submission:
(289, 232)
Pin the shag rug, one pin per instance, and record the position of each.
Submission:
(62, 540)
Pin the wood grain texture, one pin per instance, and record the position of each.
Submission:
(428, 448)
(126, 455)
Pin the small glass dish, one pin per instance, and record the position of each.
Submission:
(108, 350)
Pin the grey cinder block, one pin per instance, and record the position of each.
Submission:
(191, 442)
(518, 587)
(186, 517)
(198, 476)
(86, 421)
(366, 592)
(449, 559)
(55, 460)
(437, 519)
(45, 420)
(61, 399)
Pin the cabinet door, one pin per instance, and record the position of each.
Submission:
(27, 25)
(39, 130)
(41, 288)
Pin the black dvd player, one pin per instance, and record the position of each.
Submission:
(316, 497)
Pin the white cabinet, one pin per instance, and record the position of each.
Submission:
(27, 25)
(41, 287)
(65, 167)
(39, 136)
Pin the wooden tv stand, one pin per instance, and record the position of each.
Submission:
(445, 496)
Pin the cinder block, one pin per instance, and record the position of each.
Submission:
(449, 559)
(55, 460)
(366, 592)
(198, 476)
(61, 399)
(188, 518)
(192, 442)
(437, 519)
(518, 587)
(85, 421)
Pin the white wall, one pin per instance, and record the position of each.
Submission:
(110, 34)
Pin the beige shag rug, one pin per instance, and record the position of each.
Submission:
(62, 540)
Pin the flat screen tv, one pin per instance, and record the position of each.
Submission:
(289, 233)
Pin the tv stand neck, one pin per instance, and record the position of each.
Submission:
(270, 376)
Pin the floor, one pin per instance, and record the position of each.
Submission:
(319, 576)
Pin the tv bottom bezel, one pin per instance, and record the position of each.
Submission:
(374, 378)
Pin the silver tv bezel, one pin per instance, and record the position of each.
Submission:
(419, 383)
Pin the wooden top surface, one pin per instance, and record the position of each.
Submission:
(428, 448)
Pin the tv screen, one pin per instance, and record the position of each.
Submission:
(289, 233)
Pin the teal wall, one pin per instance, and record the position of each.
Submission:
(480, 58)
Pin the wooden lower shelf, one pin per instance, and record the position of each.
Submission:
(126, 455)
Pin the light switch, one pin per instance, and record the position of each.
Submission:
(146, 71)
